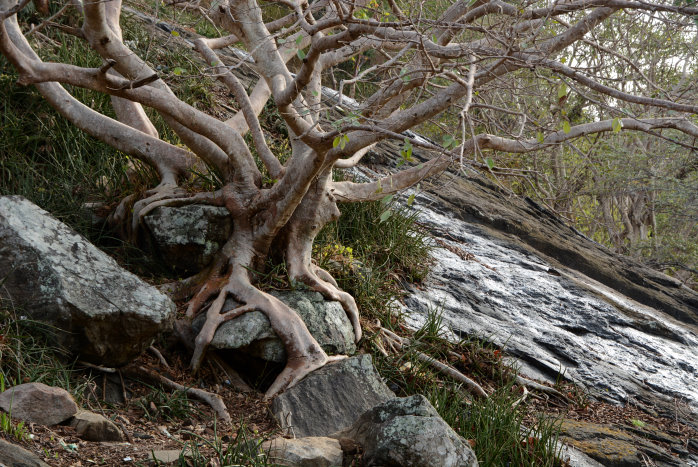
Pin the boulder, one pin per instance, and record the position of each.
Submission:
(186, 238)
(326, 320)
(38, 403)
(408, 431)
(331, 398)
(304, 452)
(94, 427)
(98, 310)
(12, 455)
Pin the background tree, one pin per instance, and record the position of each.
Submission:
(514, 78)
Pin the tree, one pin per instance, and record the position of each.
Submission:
(404, 63)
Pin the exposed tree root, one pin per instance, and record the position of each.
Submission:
(159, 356)
(325, 284)
(214, 400)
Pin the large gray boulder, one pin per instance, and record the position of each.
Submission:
(326, 320)
(38, 403)
(331, 398)
(408, 432)
(186, 238)
(98, 310)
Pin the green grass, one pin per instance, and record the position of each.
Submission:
(26, 355)
(494, 426)
(245, 449)
(371, 259)
(160, 404)
(15, 430)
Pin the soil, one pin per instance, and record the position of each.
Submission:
(153, 423)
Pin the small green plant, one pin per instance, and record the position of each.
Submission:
(17, 431)
(245, 449)
(638, 423)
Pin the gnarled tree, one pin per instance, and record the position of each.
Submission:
(403, 63)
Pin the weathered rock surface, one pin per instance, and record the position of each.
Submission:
(326, 320)
(331, 398)
(94, 427)
(100, 311)
(510, 270)
(186, 238)
(38, 403)
(614, 447)
(304, 452)
(404, 432)
(12, 455)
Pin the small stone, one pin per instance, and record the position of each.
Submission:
(94, 427)
(167, 456)
(304, 452)
(38, 403)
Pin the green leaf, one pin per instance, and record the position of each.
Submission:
(385, 215)
(301, 54)
(299, 39)
(178, 71)
(174, 33)
(490, 163)
(380, 188)
(566, 126)
(562, 91)
(617, 124)
(387, 199)
(335, 141)
(406, 151)
(410, 200)
(448, 141)
(315, 93)
(540, 137)
(343, 140)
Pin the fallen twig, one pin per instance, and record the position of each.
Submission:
(525, 382)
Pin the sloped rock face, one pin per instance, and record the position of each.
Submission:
(613, 447)
(508, 270)
(186, 238)
(331, 398)
(408, 431)
(100, 311)
(252, 333)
